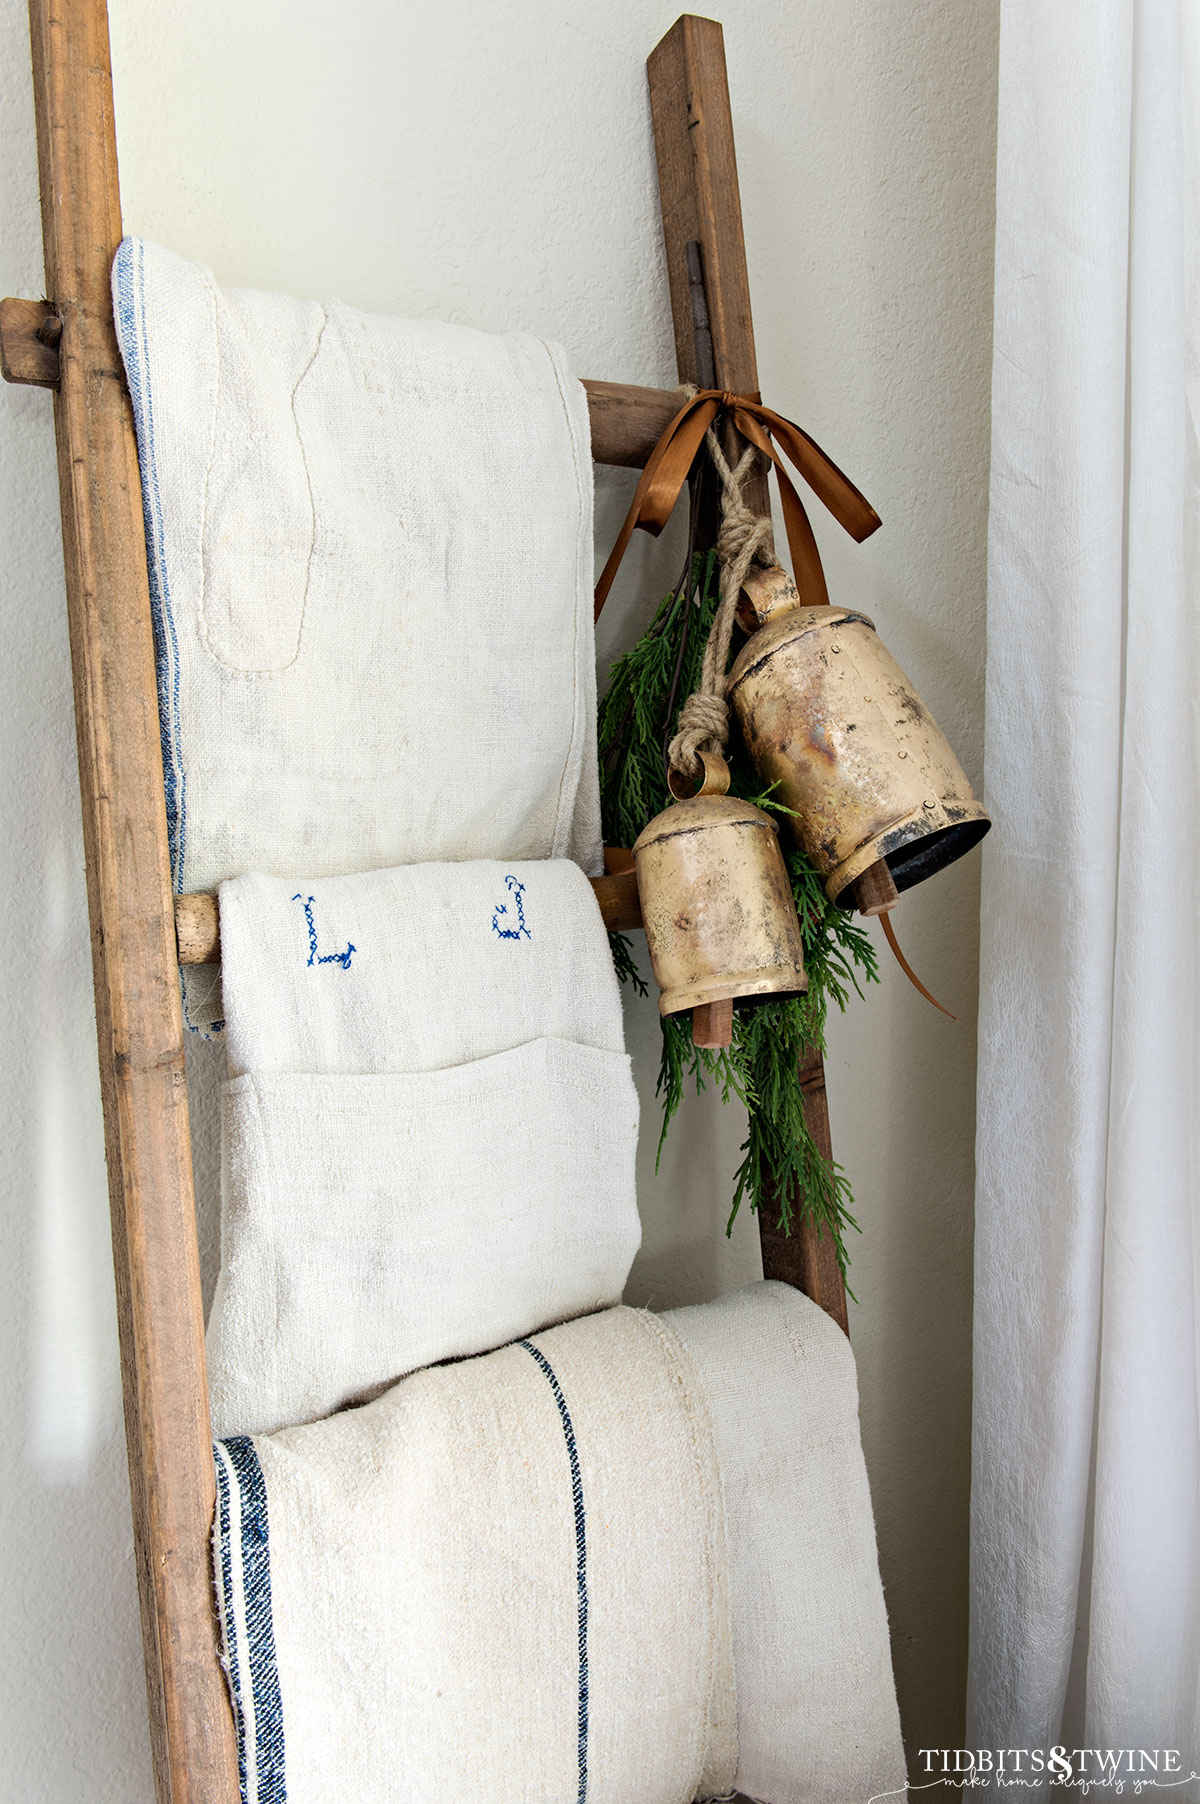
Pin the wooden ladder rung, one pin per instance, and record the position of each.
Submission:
(198, 929)
(29, 335)
(626, 420)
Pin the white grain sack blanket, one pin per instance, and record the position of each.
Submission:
(370, 550)
(628, 1561)
(429, 1129)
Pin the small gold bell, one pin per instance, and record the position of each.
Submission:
(720, 920)
(830, 718)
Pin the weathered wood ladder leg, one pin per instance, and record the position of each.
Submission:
(697, 178)
(70, 345)
(138, 1017)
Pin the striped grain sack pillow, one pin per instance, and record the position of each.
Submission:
(629, 1559)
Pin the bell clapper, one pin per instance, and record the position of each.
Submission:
(712, 1023)
(875, 891)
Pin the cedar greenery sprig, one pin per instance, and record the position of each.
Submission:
(782, 1167)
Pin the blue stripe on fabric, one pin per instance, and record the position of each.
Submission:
(225, 1579)
(129, 270)
(260, 1630)
(580, 1558)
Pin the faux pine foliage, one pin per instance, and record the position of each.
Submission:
(782, 1168)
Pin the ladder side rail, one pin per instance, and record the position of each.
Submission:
(138, 1015)
(698, 185)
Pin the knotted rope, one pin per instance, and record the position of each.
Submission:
(744, 538)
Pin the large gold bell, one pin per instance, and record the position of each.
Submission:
(717, 904)
(830, 718)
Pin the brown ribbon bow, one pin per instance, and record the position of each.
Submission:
(667, 469)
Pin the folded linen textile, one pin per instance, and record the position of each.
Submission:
(628, 1558)
(817, 1714)
(414, 969)
(370, 552)
(429, 1130)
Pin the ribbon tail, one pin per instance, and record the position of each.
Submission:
(802, 542)
(660, 482)
(907, 969)
(848, 505)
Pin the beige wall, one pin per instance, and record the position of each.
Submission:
(492, 164)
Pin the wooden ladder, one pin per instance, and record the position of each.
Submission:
(68, 344)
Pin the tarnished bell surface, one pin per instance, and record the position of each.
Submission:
(718, 909)
(829, 716)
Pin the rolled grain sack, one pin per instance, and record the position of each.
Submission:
(630, 1560)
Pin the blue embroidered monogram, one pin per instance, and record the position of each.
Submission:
(322, 958)
(517, 890)
(580, 1559)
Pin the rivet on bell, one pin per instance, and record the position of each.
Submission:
(721, 924)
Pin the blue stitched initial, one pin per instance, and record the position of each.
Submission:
(520, 931)
(322, 958)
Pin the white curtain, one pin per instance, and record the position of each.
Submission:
(1086, 1493)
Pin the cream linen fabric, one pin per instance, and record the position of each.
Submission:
(370, 551)
(428, 1138)
(629, 1559)
(817, 1714)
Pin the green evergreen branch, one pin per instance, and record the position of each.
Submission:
(782, 1166)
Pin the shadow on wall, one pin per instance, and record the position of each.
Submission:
(67, 1731)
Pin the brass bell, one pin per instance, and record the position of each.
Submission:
(829, 717)
(717, 904)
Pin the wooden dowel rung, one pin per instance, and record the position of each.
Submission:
(29, 335)
(198, 929)
(626, 420)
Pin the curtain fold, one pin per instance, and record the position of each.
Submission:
(1085, 1605)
